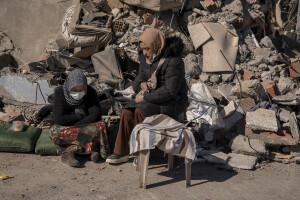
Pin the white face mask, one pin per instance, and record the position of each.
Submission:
(77, 95)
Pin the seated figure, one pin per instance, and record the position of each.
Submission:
(77, 114)
(160, 87)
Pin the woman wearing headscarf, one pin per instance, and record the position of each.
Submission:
(160, 87)
(77, 126)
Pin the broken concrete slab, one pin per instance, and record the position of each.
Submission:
(295, 70)
(294, 126)
(5, 43)
(251, 88)
(285, 84)
(244, 145)
(288, 99)
(241, 161)
(284, 115)
(271, 139)
(263, 52)
(216, 157)
(262, 119)
(24, 91)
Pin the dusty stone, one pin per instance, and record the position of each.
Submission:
(266, 76)
(262, 52)
(241, 161)
(263, 67)
(192, 65)
(251, 88)
(244, 145)
(294, 126)
(227, 77)
(285, 84)
(262, 119)
(204, 77)
(234, 7)
(267, 42)
(215, 78)
(284, 115)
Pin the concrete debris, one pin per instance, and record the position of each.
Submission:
(270, 138)
(244, 145)
(241, 161)
(285, 84)
(250, 88)
(294, 126)
(288, 99)
(247, 57)
(262, 119)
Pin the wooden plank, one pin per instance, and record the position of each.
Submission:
(188, 166)
(170, 162)
(144, 161)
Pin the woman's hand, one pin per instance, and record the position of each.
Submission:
(139, 98)
(144, 86)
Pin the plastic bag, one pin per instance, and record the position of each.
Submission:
(203, 106)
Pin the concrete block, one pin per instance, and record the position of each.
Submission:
(251, 88)
(288, 99)
(244, 145)
(285, 84)
(262, 119)
(241, 161)
(294, 126)
(284, 115)
(271, 138)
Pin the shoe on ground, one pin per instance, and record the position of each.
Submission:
(135, 161)
(95, 156)
(116, 159)
(69, 159)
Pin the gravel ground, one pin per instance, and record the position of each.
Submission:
(45, 177)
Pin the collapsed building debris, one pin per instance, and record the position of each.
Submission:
(242, 70)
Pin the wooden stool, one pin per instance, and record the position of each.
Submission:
(143, 162)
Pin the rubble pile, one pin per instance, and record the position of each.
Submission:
(241, 63)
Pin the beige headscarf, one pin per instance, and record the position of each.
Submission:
(154, 39)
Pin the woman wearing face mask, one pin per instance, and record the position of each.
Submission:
(160, 87)
(77, 116)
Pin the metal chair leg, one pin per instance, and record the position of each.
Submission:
(170, 162)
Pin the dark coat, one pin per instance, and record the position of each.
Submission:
(64, 114)
(170, 95)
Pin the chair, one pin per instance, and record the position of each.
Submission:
(143, 162)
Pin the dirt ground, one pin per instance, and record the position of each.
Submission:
(45, 177)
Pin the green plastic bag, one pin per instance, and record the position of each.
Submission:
(21, 141)
(45, 145)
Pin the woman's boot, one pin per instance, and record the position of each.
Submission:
(69, 159)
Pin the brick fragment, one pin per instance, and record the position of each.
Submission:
(271, 89)
(295, 70)
(248, 75)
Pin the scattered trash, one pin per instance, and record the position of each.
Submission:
(4, 176)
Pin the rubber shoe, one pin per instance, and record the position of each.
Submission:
(116, 159)
(69, 159)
